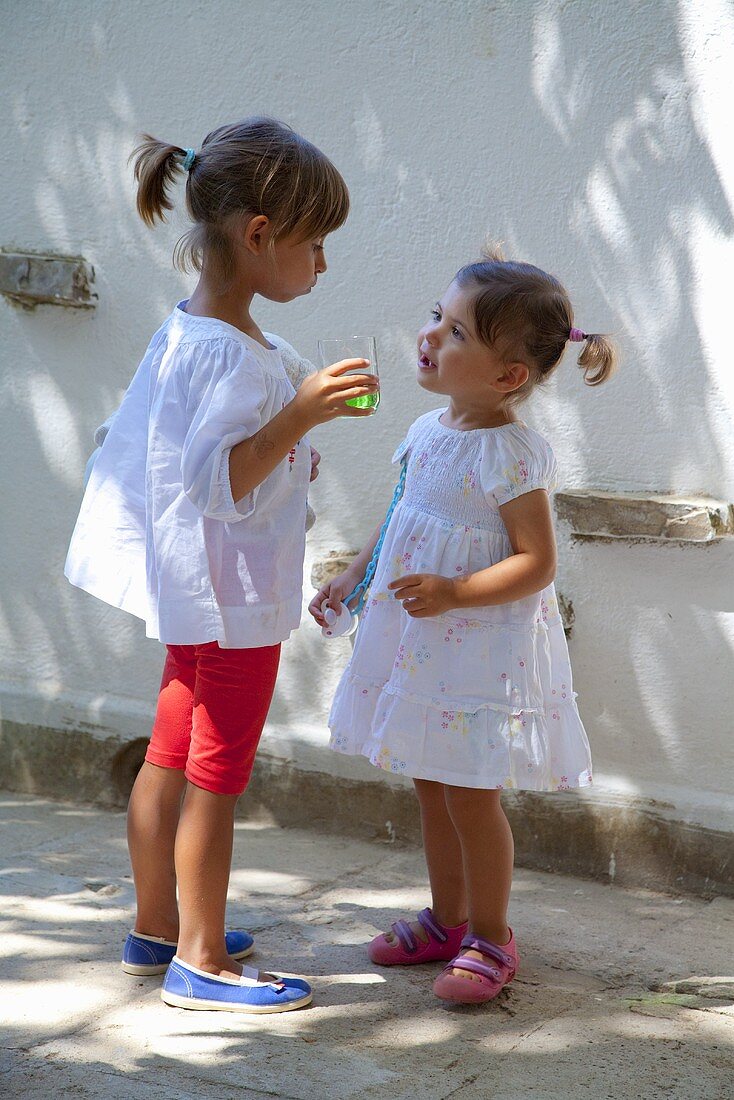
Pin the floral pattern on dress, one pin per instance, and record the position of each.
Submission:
(468, 482)
(548, 607)
(517, 474)
(386, 761)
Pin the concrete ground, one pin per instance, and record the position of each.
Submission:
(621, 993)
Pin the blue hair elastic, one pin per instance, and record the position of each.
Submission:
(189, 159)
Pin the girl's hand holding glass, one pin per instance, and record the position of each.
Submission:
(327, 393)
(345, 348)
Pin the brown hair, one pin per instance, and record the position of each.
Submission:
(529, 313)
(256, 166)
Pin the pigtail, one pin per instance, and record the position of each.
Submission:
(156, 166)
(492, 251)
(598, 358)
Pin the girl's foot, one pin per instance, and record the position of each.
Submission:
(185, 986)
(145, 955)
(502, 941)
(479, 972)
(422, 941)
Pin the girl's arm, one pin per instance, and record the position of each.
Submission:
(321, 397)
(334, 591)
(530, 569)
(254, 458)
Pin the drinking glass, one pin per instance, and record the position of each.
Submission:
(353, 347)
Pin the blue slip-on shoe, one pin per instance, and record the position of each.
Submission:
(185, 986)
(143, 955)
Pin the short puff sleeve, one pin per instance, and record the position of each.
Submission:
(403, 448)
(516, 460)
(227, 392)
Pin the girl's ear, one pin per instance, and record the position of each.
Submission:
(256, 234)
(512, 377)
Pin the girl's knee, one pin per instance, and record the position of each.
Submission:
(429, 792)
(469, 803)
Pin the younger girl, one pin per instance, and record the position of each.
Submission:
(460, 675)
(194, 520)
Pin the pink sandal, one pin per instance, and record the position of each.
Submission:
(492, 979)
(442, 944)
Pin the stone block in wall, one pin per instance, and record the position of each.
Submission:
(335, 562)
(32, 279)
(567, 613)
(635, 516)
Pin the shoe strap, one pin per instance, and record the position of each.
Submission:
(405, 934)
(432, 927)
(476, 967)
(250, 976)
(491, 950)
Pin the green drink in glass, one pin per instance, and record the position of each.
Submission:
(353, 347)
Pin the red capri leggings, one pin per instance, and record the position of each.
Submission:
(211, 711)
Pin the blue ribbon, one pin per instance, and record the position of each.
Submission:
(361, 589)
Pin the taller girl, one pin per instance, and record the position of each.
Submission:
(194, 520)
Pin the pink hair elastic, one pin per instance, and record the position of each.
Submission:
(576, 336)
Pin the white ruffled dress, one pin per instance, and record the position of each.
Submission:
(478, 697)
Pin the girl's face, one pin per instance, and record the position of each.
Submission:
(452, 359)
(297, 265)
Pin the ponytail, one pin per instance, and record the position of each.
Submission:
(598, 358)
(256, 166)
(156, 167)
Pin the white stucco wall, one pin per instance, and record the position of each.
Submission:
(593, 139)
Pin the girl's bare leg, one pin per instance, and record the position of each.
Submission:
(487, 853)
(203, 860)
(443, 858)
(152, 821)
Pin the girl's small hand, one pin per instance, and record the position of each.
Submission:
(315, 459)
(425, 594)
(332, 594)
(322, 396)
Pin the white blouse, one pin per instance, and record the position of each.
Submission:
(159, 534)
